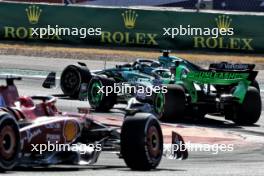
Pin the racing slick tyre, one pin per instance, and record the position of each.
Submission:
(9, 142)
(141, 142)
(71, 79)
(255, 84)
(197, 114)
(172, 104)
(101, 101)
(249, 111)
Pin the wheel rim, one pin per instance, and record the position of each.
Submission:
(153, 142)
(96, 96)
(159, 103)
(7, 142)
(70, 80)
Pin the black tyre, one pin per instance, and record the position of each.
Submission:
(255, 84)
(197, 114)
(249, 111)
(9, 141)
(71, 79)
(173, 103)
(98, 100)
(141, 142)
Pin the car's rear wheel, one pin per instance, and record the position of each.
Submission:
(141, 142)
(249, 111)
(9, 142)
(173, 103)
(99, 100)
(255, 84)
(71, 79)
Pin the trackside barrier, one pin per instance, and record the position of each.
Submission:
(132, 27)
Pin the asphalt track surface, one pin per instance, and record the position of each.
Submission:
(247, 158)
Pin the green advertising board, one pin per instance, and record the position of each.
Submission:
(132, 27)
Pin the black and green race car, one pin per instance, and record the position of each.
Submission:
(185, 89)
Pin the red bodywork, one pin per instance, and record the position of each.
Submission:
(40, 123)
(39, 119)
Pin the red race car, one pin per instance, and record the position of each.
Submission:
(34, 132)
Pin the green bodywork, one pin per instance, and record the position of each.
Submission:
(188, 74)
(159, 103)
(217, 78)
(96, 96)
(184, 73)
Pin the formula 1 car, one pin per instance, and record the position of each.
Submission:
(33, 132)
(224, 89)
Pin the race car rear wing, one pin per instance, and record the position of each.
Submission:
(225, 66)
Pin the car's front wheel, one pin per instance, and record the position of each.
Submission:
(98, 98)
(141, 142)
(171, 105)
(9, 141)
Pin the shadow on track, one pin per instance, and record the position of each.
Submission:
(70, 168)
(63, 97)
(213, 123)
(219, 122)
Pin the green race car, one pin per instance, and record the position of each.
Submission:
(224, 89)
(170, 88)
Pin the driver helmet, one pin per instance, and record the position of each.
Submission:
(173, 70)
(155, 64)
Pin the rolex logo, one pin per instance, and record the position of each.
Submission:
(33, 14)
(223, 21)
(130, 18)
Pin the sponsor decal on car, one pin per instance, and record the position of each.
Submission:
(31, 134)
(53, 126)
(217, 75)
(53, 138)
